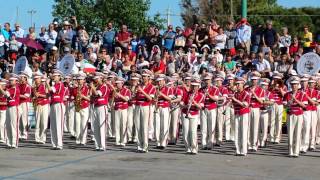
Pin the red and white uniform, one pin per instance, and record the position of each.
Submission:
(255, 116)
(100, 112)
(264, 119)
(70, 111)
(175, 115)
(121, 116)
(229, 115)
(295, 120)
(110, 115)
(190, 122)
(131, 134)
(241, 121)
(12, 121)
(56, 114)
(25, 90)
(221, 118)
(3, 109)
(276, 115)
(208, 117)
(42, 113)
(143, 115)
(161, 117)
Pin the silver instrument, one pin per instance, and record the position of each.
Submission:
(309, 63)
(190, 104)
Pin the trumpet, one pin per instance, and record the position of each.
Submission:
(77, 103)
(34, 99)
(190, 104)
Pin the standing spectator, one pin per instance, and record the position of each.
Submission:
(52, 36)
(169, 38)
(19, 32)
(108, 36)
(231, 34)
(270, 36)
(134, 43)
(244, 35)
(201, 36)
(221, 39)
(256, 38)
(32, 34)
(213, 31)
(65, 36)
(180, 40)
(2, 41)
(123, 38)
(83, 39)
(43, 37)
(284, 41)
(294, 47)
(6, 31)
(190, 34)
(13, 47)
(306, 40)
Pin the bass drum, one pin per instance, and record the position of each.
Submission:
(309, 63)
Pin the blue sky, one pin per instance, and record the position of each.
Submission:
(43, 8)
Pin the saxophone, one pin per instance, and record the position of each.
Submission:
(34, 99)
(77, 103)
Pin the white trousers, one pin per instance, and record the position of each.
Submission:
(318, 126)
(56, 124)
(12, 126)
(41, 116)
(313, 128)
(70, 109)
(241, 133)
(190, 136)
(120, 121)
(221, 120)
(24, 122)
(208, 126)
(254, 128)
(174, 125)
(110, 122)
(100, 125)
(151, 123)
(142, 118)
(230, 123)
(131, 132)
(3, 115)
(81, 125)
(276, 123)
(161, 126)
(305, 132)
(294, 134)
(263, 132)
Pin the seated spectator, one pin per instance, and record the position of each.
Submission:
(262, 65)
(229, 65)
(142, 63)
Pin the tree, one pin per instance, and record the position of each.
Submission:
(96, 13)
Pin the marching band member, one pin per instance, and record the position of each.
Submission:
(278, 89)
(81, 103)
(175, 110)
(265, 112)
(209, 113)
(318, 109)
(3, 108)
(257, 96)
(295, 101)
(309, 112)
(221, 118)
(192, 103)
(100, 93)
(144, 96)
(230, 124)
(151, 128)
(241, 104)
(41, 105)
(131, 129)
(163, 97)
(121, 98)
(25, 93)
(313, 108)
(111, 77)
(12, 93)
(56, 110)
(66, 99)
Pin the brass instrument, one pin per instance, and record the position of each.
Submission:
(34, 99)
(77, 101)
(190, 104)
(156, 99)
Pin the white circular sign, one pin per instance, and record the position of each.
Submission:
(309, 63)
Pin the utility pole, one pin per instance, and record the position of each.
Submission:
(17, 15)
(244, 8)
(31, 12)
(168, 16)
(231, 9)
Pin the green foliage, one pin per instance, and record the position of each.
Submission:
(95, 14)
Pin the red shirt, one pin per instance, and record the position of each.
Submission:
(278, 98)
(230, 93)
(242, 96)
(58, 92)
(159, 67)
(294, 108)
(14, 96)
(209, 103)
(119, 103)
(103, 95)
(42, 91)
(141, 100)
(25, 89)
(163, 102)
(313, 94)
(270, 97)
(3, 99)
(260, 93)
(84, 91)
(223, 92)
(123, 36)
(198, 98)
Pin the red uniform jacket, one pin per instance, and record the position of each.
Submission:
(260, 93)
(13, 94)
(42, 91)
(161, 101)
(119, 103)
(198, 98)
(58, 92)
(293, 107)
(25, 89)
(242, 96)
(103, 95)
(141, 100)
(209, 103)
